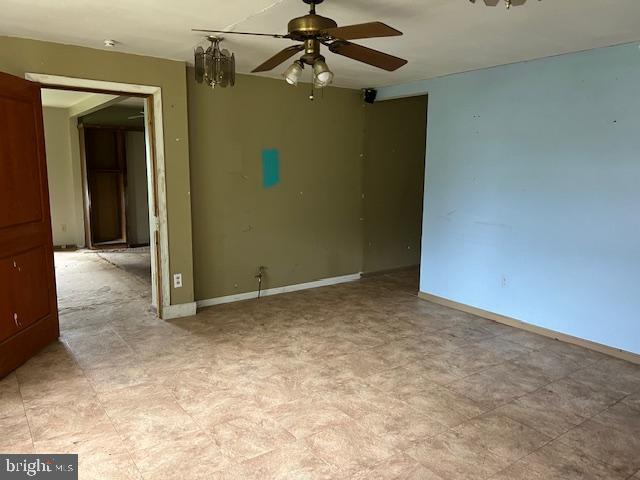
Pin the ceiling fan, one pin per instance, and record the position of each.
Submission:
(314, 30)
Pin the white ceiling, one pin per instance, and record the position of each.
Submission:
(441, 36)
(62, 98)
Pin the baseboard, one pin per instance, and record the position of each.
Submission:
(65, 248)
(512, 322)
(179, 310)
(278, 290)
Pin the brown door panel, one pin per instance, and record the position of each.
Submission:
(7, 325)
(28, 305)
(30, 289)
(19, 181)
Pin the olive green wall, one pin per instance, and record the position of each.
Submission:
(18, 56)
(306, 228)
(393, 179)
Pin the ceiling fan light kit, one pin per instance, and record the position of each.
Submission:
(315, 31)
(293, 74)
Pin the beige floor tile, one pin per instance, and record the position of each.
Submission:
(559, 406)
(557, 461)
(453, 456)
(244, 438)
(10, 398)
(504, 348)
(307, 416)
(146, 414)
(612, 374)
(357, 399)
(550, 364)
(329, 383)
(192, 456)
(401, 426)
(499, 385)
(349, 448)
(443, 405)
(101, 455)
(398, 467)
(529, 340)
(622, 417)
(578, 354)
(503, 436)
(466, 361)
(61, 386)
(75, 419)
(15, 436)
(292, 461)
(607, 444)
(633, 400)
(404, 380)
(114, 378)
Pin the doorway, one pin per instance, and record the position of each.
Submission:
(149, 110)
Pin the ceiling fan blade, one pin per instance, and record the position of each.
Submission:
(273, 35)
(278, 58)
(367, 55)
(362, 30)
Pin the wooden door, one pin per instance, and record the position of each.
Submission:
(28, 306)
(105, 163)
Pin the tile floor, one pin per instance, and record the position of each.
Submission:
(356, 381)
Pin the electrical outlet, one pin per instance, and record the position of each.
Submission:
(177, 280)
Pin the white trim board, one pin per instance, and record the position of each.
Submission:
(278, 290)
(178, 311)
(159, 222)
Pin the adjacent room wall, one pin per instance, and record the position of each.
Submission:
(136, 191)
(393, 179)
(18, 56)
(305, 228)
(533, 192)
(64, 225)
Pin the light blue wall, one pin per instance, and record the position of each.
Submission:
(532, 196)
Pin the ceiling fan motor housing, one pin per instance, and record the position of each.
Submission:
(307, 29)
(309, 25)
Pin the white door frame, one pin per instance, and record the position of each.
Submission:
(154, 136)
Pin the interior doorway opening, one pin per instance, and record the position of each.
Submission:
(111, 192)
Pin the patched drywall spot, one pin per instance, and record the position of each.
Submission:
(270, 167)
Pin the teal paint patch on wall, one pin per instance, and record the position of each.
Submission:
(270, 168)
